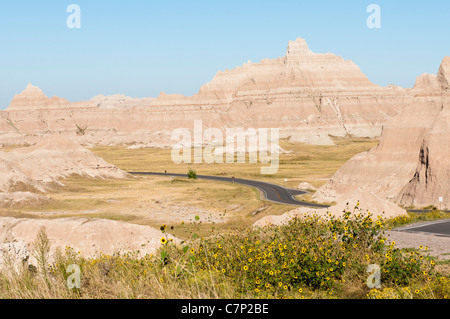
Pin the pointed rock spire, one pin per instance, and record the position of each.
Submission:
(298, 47)
(444, 73)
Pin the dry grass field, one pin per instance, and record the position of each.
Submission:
(166, 200)
(305, 163)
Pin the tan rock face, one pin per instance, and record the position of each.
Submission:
(427, 84)
(410, 166)
(34, 168)
(306, 187)
(432, 174)
(13, 255)
(118, 101)
(444, 74)
(90, 237)
(307, 95)
(33, 98)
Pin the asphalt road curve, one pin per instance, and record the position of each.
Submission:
(271, 192)
(439, 227)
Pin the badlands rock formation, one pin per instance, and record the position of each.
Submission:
(410, 166)
(33, 97)
(38, 168)
(432, 174)
(306, 187)
(88, 236)
(14, 255)
(309, 96)
(119, 100)
(26, 173)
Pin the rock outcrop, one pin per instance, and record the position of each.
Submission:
(90, 237)
(410, 165)
(33, 98)
(308, 96)
(443, 75)
(53, 158)
(118, 101)
(13, 255)
(306, 187)
(431, 177)
(39, 168)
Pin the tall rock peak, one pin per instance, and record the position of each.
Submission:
(444, 73)
(34, 98)
(32, 91)
(298, 47)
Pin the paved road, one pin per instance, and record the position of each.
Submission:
(440, 227)
(271, 192)
(285, 196)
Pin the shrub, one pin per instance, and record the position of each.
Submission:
(192, 174)
(307, 257)
(309, 253)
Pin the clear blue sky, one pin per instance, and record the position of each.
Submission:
(140, 48)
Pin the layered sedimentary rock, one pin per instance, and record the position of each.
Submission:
(432, 175)
(410, 166)
(309, 96)
(118, 101)
(33, 98)
(38, 168)
(13, 255)
(90, 237)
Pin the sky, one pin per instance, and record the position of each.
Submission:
(143, 47)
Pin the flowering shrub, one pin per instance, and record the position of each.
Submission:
(309, 257)
(309, 252)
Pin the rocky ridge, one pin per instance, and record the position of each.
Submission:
(308, 95)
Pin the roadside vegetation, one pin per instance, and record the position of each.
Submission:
(309, 257)
(413, 218)
(192, 174)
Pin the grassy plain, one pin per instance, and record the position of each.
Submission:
(165, 200)
(305, 163)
